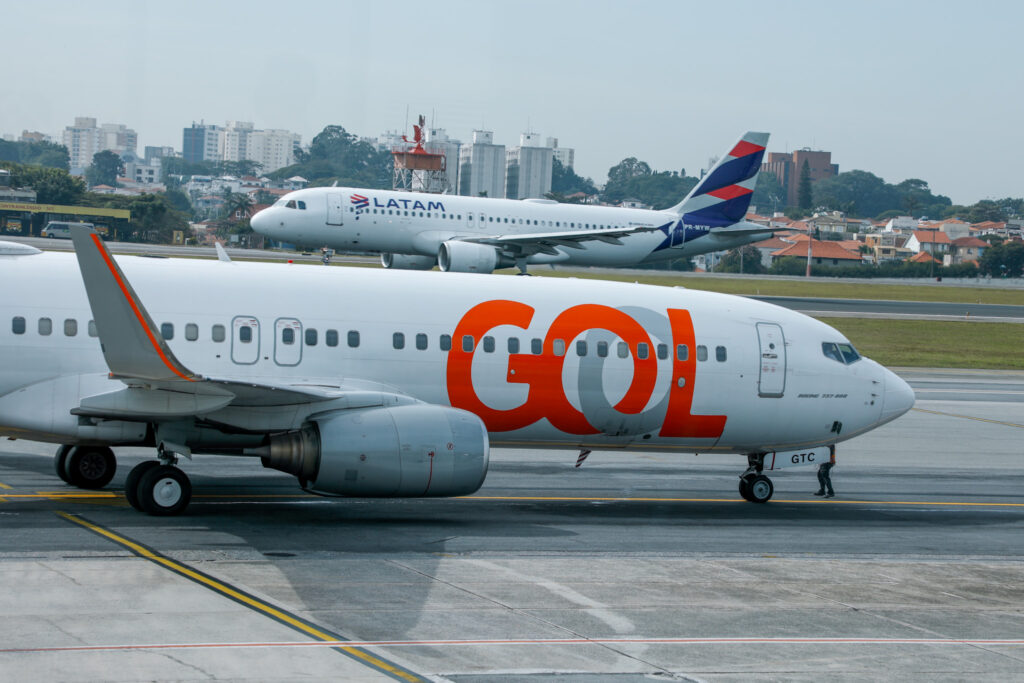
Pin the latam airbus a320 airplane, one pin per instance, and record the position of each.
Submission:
(366, 383)
(415, 231)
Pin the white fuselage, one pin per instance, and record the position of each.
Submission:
(350, 328)
(417, 224)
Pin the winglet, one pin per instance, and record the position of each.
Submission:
(222, 254)
(132, 345)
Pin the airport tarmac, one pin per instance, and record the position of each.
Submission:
(632, 567)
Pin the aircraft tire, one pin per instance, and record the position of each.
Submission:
(60, 462)
(90, 467)
(164, 491)
(761, 489)
(131, 484)
(745, 487)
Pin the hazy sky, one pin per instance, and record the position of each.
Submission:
(930, 90)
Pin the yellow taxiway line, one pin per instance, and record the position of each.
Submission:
(240, 596)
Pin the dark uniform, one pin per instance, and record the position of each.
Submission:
(824, 478)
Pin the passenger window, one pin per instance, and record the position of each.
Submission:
(18, 325)
(642, 351)
(702, 353)
(311, 335)
(331, 337)
(623, 350)
(217, 333)
(581, 348)
(287, 336)
(245, 334)
(602, 349)
(191, 331)
(513, 344)
(536, 347)
(662, 351)
(92, 329)
(720, 354)
(70, 327)
(682, 352)
(446, 342)
(421, 342)
(45, 326)
(398, 340)
(488, 344)
(167, 331)
(467, 343)
(353, 338)
(559, 347)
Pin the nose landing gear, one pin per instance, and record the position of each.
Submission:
(755, 486)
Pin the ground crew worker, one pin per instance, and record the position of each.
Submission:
(824, 478)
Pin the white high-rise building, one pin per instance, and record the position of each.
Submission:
(240, 141)
(85, 138)
(438, 142)
(565, 155)
(482, 167)
(528, 169)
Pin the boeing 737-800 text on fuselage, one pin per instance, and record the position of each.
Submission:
(416, 231)
(366, 383)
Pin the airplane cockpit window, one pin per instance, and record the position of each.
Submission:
(850, 354)
(302, 204)
(841, 353)
(290, 204)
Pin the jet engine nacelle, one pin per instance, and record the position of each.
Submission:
(407, 261)
(467, 257)
(400, 451)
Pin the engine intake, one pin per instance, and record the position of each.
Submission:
(407, 261)
(400, 451)
(467, 257)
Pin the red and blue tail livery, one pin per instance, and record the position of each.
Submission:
(722, 197)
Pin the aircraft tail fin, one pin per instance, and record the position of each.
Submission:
(132, 344)
(722, 197)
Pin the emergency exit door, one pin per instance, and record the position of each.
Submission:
(245, 340)
(772, 379)
(335, 208)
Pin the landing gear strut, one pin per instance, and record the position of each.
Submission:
(157, 487)
(754, 486)
(87, 467)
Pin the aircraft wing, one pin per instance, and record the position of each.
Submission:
(545, 242)
(159, 386)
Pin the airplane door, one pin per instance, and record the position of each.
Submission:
(287, 341)
(245, 340)
(772, 380)
(335, 208)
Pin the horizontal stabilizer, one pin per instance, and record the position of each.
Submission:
(132, 345)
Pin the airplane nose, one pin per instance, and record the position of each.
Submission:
(898, 397)
(260, 221)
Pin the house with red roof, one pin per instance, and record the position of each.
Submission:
(935, 242)
(967, 250)
(823, 253)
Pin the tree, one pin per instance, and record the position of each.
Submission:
(1003, 260)
(52, 185)
(564, 180)
(47, 154)
(338, 156)
(633, 179)
(236, 205)
(179, 201)
(745, 259)
(105, 169)
(804, 196)
(768, 194)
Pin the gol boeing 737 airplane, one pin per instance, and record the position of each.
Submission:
(365, 383)
(415, 231)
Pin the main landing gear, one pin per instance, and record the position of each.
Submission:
(754, 486)
(157, 487)
(87, 467)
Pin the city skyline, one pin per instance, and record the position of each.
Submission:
(899, 91)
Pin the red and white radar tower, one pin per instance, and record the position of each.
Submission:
(416, 169)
